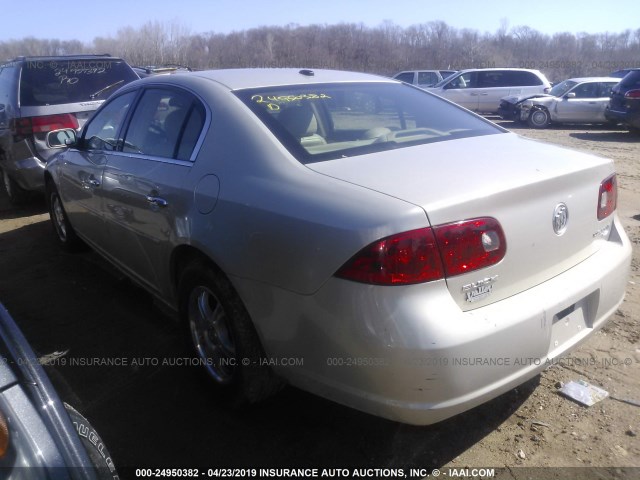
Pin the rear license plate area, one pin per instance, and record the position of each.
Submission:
(573, 320)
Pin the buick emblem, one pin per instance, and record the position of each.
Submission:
(560, 219)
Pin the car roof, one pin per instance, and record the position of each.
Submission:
(498, 68)
(593, 79)
(104, 56)
(241, 78)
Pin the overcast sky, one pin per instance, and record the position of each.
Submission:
(86, 20)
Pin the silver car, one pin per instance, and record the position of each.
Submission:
(576, 100)
(304, 236)
(40, 436)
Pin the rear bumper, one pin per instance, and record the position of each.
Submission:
(631, 118)
(27, 172)
(411, 355)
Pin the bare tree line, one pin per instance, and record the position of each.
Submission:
(385, 49)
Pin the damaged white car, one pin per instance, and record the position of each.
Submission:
(576, 100)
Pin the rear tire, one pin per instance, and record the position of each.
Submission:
(62, 229)
(220, 331)
(93, 444)
(17, 195)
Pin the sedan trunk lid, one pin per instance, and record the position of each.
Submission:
(522, 183)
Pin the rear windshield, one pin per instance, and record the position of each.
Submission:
(329, 121)
(631, 79)
(51, 82)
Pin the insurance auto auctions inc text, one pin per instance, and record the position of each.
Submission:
(374, 473)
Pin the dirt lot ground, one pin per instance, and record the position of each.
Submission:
(149, 416)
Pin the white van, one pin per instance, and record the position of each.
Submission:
(481, 89)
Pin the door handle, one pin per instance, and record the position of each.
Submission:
(157, 201)
(90, 183)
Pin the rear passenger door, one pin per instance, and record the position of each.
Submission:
(496, 84)
(144, 186)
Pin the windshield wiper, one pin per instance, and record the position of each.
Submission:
(102, 90)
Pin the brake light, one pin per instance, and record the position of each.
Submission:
(402, 259)
(43, 124)
(607, 197)
(632, 94)
(428, 254)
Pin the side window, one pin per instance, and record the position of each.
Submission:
(523, 79)
(102, 131)
(586, 90)
(494, 78)
(467, 80)
(166, 123)
(427, 78)
(605, 89)
(405, 77)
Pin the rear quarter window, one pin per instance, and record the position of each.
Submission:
(405, 77)
(524, 79)
(50, 82)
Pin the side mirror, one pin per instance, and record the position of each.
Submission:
(570, 95)
(67, 137)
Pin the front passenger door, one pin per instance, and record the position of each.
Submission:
(81, 180)
(146, 199)
(582, 104)
(462, 89)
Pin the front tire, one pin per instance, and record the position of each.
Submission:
(223, 337)
(539, 118)
(63, 231)
(93, 444)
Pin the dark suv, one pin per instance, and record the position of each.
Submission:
(624, 104)
(40, 94)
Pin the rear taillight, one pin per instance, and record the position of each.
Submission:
(428, 254)
(43, 124)
(607, 197)
(632, 94)
(402, 259)
(470, 245)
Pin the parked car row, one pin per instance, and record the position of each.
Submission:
(597, 100)
(526, 95)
